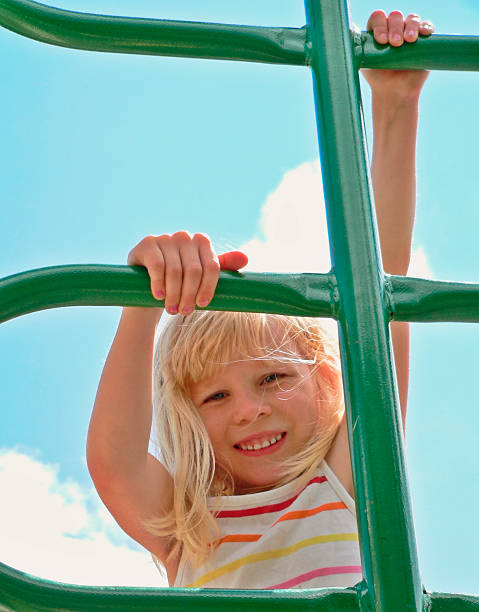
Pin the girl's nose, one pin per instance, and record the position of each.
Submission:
(249, 407)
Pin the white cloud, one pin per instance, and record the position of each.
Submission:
(419, 266)
(293, 222)
(294, 226)
(54, 529)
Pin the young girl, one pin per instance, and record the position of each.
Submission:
(255, 486)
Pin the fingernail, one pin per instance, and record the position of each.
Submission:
(172, 309)
(396, 38)
(186, 310)
(203, 303)
(382, 38)
(159, 294)
(410, 32)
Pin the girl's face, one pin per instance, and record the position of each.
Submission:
(258, 413)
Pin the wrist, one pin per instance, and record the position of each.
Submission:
(388, 104)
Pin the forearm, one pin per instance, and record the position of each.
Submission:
(120, 425)
(393, 172)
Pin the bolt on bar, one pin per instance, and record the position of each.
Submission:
(388, 547)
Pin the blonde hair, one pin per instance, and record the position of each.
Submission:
(195, 347)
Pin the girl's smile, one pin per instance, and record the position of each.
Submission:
(258, 409)
(261, 444)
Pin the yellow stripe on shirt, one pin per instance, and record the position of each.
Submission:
(271, 554)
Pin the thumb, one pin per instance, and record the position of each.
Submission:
(233, 260)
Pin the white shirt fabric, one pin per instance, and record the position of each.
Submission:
(283, 538)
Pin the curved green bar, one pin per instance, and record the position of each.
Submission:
(436, 52)
(221, 41)
(315, 295)
(98, 285)
(21, 592)
(153, 36)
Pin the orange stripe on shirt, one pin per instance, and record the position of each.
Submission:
(299, 514)
(239, 537)
(289, 516)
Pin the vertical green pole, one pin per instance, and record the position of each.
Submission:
(388, 546)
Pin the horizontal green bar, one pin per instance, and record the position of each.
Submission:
(415, 299)
(450, 602)
(98, 285)
(315, 295)
(153, 36)
(21, 592)
(436, 52)
(222, 41)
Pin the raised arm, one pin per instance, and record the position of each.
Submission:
(395, 100)
(132, 483)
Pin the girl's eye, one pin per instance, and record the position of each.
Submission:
(272, 378)
(216, 396)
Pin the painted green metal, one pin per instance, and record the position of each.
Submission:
(355, 292)
(447, 602)
(438, 52)
(21, 592)
(153, 36)
(415, 299)
(113, 34)
(308, 295)
(88, 285)
(388, 547)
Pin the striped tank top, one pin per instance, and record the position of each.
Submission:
(281, 539)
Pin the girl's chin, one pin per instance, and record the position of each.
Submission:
(256, 486)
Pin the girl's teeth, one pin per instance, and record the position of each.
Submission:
(264, 444)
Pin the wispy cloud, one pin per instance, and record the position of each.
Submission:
(57, 530)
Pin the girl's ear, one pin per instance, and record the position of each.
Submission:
(329, 380)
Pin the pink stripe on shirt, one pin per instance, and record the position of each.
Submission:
(321, 571)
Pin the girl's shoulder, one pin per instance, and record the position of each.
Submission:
(338, 458)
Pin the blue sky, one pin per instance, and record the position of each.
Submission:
(101, 149)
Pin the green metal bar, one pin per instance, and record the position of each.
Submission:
(414, 299)
(407, 299)
(21, 592)
(368, 298)
(437, 52)
(153, 36)
(388, 547)
(97, 285)
(221, 41)
(448, 602)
